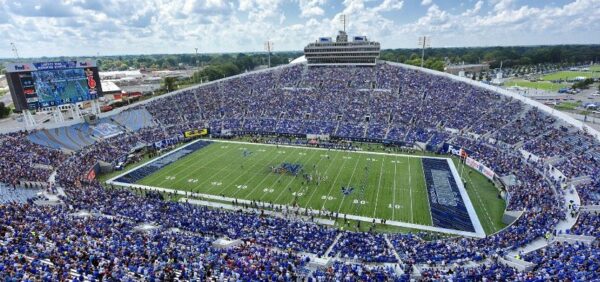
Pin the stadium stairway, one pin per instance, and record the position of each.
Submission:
(337, 238)
(394, 252)
(366, 126)
(407, 133)
(571, 239)
(387, 130)
(337, 126)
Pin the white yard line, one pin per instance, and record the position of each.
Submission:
(153, 160)
(208, 179)
(349, 182)
(177, 164)
(290, 182)
(248, 180)
(410, 189)
(334, 181)
(274, 160)
(307, 185)
(315, 189)
(263, 180)
(394, 197)
(326, 149)
(378, 187)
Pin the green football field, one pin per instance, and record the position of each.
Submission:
(376, 185)
(379, 186)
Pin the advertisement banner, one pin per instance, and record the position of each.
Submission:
(480, 167)
(40, 66)
(455, 150)
(166, 142)
(195, 133)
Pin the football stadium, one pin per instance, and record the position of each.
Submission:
(338, 166)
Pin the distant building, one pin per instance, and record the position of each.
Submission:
(358, 52)
(117, 75)
(470, 68)
(110, 88)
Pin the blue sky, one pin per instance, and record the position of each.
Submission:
(110, 27)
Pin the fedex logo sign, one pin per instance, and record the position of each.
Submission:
(453, 150)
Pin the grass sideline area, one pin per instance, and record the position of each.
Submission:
(568, 75)
(542, 85)
(484, 197)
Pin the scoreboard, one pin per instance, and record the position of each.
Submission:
(48, 84)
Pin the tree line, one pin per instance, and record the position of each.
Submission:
(436, 58)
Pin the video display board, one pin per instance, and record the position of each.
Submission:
(48, 84)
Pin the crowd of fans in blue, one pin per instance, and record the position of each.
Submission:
(381, 103)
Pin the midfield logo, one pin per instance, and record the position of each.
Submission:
(347, 190)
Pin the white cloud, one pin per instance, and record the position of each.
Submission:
(205, 6)
(474, 11)
(79, 27)
(260, 10)
(40, 8)
(311, 8)
(501, 5)
(389, 5)
(426, 2)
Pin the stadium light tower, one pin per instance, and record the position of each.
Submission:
(269, 49)
(424, 42)
(196, 56)
(14, 49)
(343, 20)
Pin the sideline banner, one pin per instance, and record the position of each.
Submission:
(195, 133)
(480, 167)
(455, 150)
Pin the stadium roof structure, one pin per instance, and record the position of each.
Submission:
(299, 60)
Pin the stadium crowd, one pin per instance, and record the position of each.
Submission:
(385, 103)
